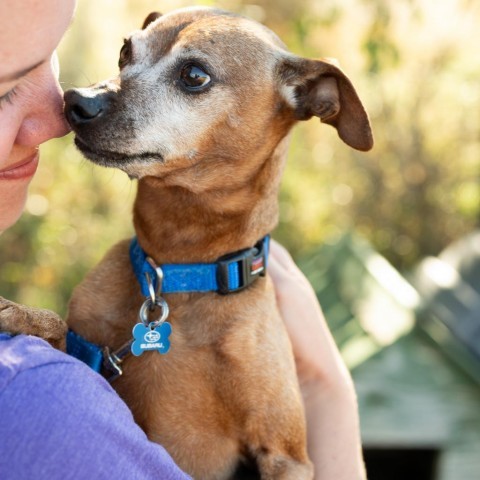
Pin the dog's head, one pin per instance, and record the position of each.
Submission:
(206, 89)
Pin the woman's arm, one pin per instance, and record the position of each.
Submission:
(327, 388)
(61, 420)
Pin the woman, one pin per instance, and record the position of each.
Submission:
(59, 419)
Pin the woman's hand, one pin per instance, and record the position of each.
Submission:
(18, 319)
(327, 388)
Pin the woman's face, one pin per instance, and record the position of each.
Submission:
(31, 100)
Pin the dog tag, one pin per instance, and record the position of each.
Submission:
(147, 339)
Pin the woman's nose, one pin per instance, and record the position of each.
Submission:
(44, 117)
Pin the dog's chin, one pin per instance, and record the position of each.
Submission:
(114, 159)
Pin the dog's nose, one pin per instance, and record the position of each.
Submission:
(83, 107)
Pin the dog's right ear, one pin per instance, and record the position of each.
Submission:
(319, 88)
(151, 18)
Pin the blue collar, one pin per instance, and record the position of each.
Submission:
(230, 273)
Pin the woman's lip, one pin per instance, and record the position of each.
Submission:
(26, 168)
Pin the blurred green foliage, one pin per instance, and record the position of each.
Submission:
(415, 65)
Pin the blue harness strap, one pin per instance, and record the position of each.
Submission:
(85, 351)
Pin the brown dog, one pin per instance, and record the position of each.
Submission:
(200, 115)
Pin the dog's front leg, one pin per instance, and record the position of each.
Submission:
(18, 319)
(279, 467)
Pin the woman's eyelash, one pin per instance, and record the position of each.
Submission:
(7, 98)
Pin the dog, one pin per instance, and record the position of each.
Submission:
(200, 115)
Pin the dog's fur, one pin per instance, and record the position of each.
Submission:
(208, 165)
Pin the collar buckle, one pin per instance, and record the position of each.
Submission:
(112, 361)
(252, 263)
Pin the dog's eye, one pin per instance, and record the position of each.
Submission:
(193, 77)
(125, 54)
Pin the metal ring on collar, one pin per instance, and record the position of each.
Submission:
(148, 305)
(151, 291)
(158, 271)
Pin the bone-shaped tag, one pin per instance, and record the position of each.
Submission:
(149, 339)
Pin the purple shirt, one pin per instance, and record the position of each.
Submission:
(60, 420)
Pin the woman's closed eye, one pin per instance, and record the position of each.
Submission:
(8, 97)
(23, 79)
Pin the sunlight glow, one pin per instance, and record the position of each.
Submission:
(392, 281)
(441, 273)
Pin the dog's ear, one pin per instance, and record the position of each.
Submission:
(150, 18)
(319, 88)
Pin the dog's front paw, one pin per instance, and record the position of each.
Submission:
(18, 319)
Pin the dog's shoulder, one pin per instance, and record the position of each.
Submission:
(106, 290)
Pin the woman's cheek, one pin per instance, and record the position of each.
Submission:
(10, 124)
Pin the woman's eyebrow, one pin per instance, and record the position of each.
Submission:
(21, 73)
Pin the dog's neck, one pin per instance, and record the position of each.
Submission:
(176, 224)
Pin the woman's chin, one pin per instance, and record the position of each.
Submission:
(12, 204)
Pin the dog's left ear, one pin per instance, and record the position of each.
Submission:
(150, 18)
(319, 88)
